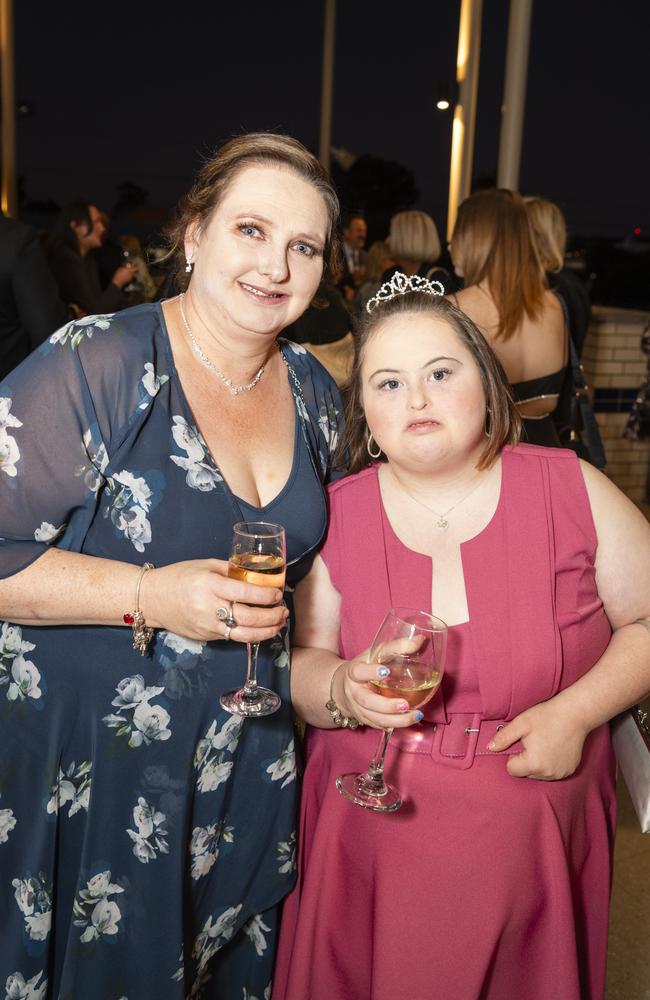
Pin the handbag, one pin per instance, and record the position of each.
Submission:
(575, 420)
(631, 742)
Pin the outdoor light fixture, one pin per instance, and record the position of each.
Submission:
(446, 94)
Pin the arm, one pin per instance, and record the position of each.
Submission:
(67, 588)
(315, 663)
(553, 733)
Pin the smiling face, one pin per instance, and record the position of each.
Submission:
(422, 394)
(259, 259)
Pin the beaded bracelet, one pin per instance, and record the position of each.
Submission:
(142, 633)
(340, 721)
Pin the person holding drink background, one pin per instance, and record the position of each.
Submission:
(147, 834)
(493, 878)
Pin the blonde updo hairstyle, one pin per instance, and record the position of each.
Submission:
(218, 172)
(503, 423)
(549, 231)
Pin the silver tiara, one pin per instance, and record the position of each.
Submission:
(400, 284)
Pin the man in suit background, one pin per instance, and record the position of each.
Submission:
(30, 308)
(355, 231)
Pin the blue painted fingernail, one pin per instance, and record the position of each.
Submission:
(383, 671)
(419, 716)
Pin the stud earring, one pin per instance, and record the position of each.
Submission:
(189, 264)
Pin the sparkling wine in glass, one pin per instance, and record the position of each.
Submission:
(258, 555)
(412, 645)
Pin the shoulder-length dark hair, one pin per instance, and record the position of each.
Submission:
(218, 172)
(503, 423)
(62, 233)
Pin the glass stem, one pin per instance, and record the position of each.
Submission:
(373, 779)
(250, 687)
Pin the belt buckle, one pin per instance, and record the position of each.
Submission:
(469, 726)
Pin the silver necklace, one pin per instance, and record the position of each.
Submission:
(235, 389)
(442, 523)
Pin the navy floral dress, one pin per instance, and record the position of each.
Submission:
(146, 836)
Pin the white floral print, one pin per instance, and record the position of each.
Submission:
(201, 474)
(215, 933)
(72, 787)
(18, 989)
(94, 911)
(47, 532)
(93, 470)
(286, 851)
(74, 332)
(33, 897)
(9, 450)
(7, 824)
(150, 836)
(130, 503)
(329, 424)
(142, 722)
(284, 767)
(151, 383)
(19, 674)
(204, 846)
(180, 644)
(210, 755)
(253, 929)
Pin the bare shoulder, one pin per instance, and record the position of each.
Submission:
(609, 503)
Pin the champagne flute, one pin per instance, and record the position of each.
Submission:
(258, 555)
(412, 645)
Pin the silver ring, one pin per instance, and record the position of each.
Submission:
(226, 616)
(223, 614)
(227, 632)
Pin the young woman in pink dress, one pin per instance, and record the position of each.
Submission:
(493, 880)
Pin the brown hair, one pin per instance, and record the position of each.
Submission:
(549, 232)
(217, 173)
(493, 242)
(503, 423)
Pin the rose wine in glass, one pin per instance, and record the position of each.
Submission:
(258, 555)
(412, 645)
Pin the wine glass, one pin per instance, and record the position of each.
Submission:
(258, 555)
(412, 645)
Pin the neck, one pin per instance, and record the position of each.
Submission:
(439, 487)
(234, 351)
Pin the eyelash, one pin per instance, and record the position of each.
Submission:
(312, 251)
(436, 371)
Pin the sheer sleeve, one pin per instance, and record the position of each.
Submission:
(61, 414)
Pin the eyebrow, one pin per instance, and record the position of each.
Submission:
(398, 371)
(269, 222)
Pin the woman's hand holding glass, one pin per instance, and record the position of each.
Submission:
(355, 689)
(183, 598)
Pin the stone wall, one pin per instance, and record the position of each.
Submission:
(614, 369)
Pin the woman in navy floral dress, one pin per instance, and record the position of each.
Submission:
(146, 835)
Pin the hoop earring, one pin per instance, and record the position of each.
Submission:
(189, 264)
(368, 446)
(487, 429)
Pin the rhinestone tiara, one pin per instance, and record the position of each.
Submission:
(400, 284)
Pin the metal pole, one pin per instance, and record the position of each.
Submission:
(327, 84)
(514, 94)
(8, 188)
(464, 124)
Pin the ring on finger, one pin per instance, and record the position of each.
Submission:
(226, 616)
(226, 634)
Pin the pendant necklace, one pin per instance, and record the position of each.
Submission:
(442, 523)
(235, 389)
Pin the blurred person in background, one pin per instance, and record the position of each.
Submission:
(414, 245)
(379, 260)
(30, 307)
(78, 230)
(506, 294)
(355, 232)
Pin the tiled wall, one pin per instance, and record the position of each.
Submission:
(614, 369)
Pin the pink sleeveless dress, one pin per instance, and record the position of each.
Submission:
(482, 885)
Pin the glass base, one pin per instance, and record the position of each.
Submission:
(357, 789)
(263, 702)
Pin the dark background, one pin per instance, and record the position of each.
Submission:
(139, 93)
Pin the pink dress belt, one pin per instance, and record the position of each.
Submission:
(455, 743)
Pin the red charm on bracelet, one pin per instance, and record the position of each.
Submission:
(128, 618)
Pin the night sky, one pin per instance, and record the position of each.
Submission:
(141, 92)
